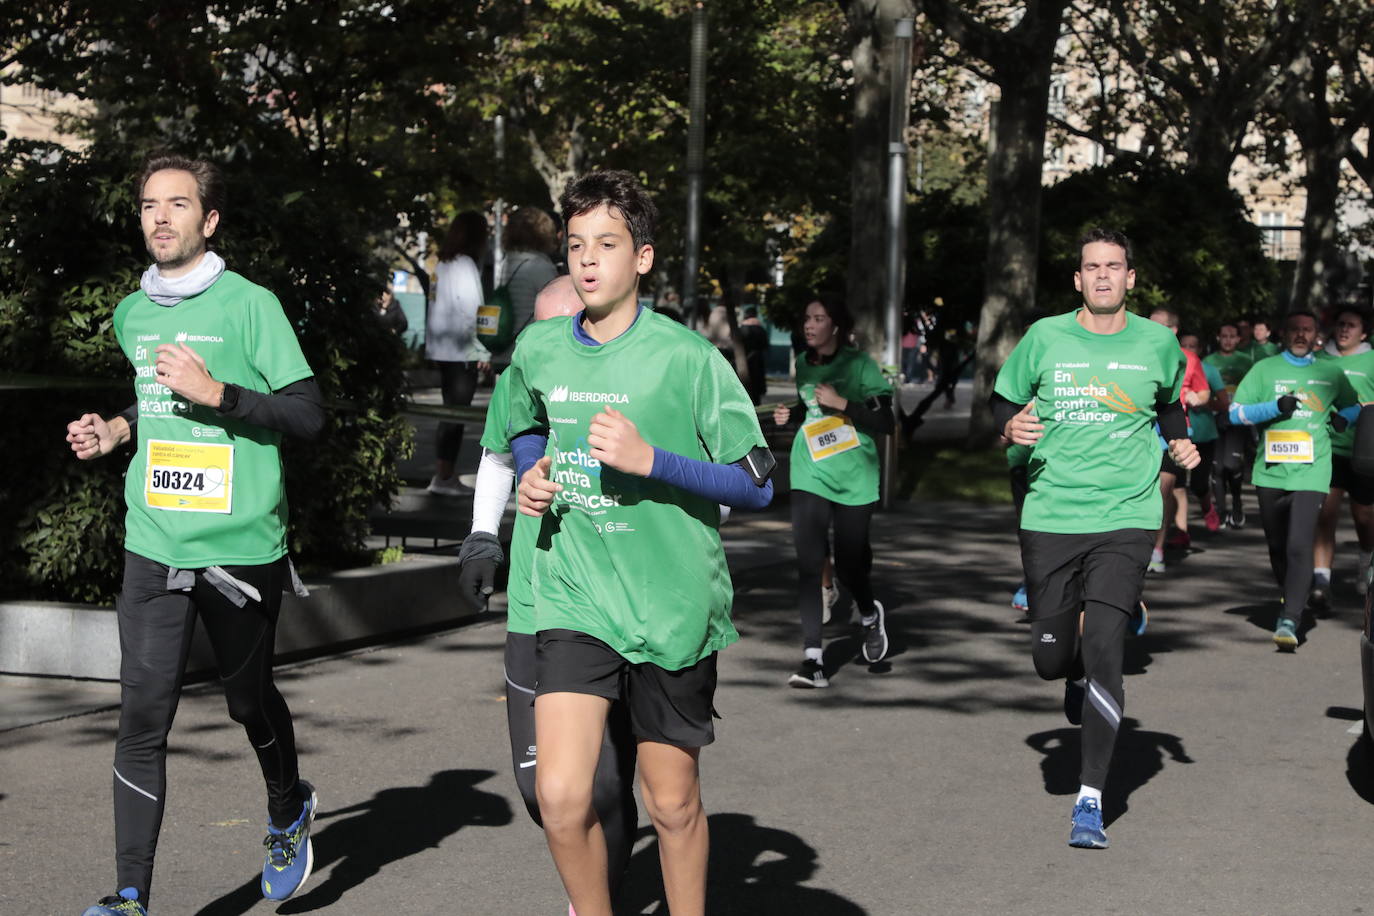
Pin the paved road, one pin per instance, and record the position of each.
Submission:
(938, 783)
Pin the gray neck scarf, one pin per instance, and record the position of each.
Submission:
(169, 291)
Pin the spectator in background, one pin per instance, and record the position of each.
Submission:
(451, 336)
(755, 337)
(390, 314)
(530, 240)
(911, 355)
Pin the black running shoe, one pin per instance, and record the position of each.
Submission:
(1319, 599)
(810, 674)
(1073, 702)
(875, 635)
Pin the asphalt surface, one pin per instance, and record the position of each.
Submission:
(940, 781)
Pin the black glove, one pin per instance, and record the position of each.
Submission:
(1287, 404)
(1339, 423)
(478, 559)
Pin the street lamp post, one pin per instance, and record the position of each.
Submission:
(696, 155)
(896, 230)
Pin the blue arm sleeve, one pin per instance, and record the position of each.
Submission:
(527, 448)
(1351, 413)
(1253, 414)
(728, 484)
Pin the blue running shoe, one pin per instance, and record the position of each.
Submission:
(1087, 832)
(1139, 620)
(1019, 601)
(1286, 635)
(125, 903)
(290, 857)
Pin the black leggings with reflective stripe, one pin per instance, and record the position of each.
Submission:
(613, 792)
(155, 629)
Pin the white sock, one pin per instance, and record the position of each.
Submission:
(1156, 556)
(814, 655)
(1322, 574)
(1089, 792)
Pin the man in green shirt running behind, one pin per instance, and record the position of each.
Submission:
(1294, 399)
(1085, 389)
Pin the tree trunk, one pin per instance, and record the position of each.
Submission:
(871, 24)
(1016, 154)
(1320, 253)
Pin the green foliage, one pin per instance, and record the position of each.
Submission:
(932, 472)
(1195, 249)
(319, 161)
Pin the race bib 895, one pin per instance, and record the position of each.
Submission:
(829, 436)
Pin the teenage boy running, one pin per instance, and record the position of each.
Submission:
(1228, 468)
(631, 591)
(1098, 379)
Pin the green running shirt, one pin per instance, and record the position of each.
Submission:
(1359, 371)
(1096, 465)
(1325, 390)
(204, 489)
(848, 477)
(1232, 367)
(519, 597)
(635, 562)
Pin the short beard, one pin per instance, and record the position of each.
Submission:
(180, 257)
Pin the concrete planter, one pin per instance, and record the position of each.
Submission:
(346, 608)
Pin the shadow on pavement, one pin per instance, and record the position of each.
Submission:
(394, 824)
(1359, 768)
(753, 871)
(1138, 758)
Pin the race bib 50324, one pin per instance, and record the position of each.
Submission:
(189, 477)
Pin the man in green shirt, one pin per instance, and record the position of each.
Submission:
(1294, 399)
(1098, 379)
(631, 591)
(1350, 349)
(219, 378)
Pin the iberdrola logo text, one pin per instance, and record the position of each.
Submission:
(561, 393)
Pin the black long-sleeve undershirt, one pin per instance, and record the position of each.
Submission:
(296, 410)
(873, 416)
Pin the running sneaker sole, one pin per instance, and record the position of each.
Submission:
(1287, 641)
(807, 683)
(1086, 840)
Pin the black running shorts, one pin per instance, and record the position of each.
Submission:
(1343, 477)
(1064, 570)
(1167, 465)
(670, 707)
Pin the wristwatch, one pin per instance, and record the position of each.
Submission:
(229, 399)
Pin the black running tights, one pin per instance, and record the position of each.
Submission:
(1228, 467)
(613, 794)
(812, 517)
(1290, 525)
(457, 384)
(155, 629)
(1060, 653)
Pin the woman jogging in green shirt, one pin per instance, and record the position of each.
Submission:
(847, 403)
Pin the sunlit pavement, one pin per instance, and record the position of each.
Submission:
(940, 781)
